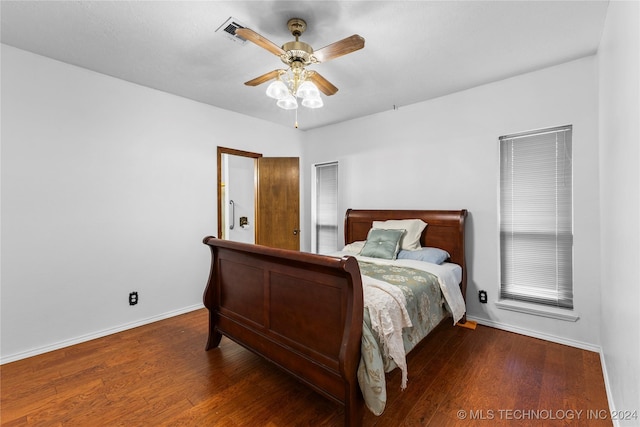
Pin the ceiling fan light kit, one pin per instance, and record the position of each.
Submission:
(312, 102)
(289, 102)
(277, 90)
(296, 81)
(308, 90)
(291, 85)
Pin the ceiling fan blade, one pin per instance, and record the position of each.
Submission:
(256, 38)
(323, 84)
(339, 48)
(264, 78)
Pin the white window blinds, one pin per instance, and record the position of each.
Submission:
(326, 208)
(536, 225)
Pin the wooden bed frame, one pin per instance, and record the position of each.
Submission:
(303, 311)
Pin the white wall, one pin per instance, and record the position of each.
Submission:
(107, 187)
(443, 154)
(619, 71)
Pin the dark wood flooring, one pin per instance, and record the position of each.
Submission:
(159, 374)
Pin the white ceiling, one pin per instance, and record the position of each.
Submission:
(414, 50)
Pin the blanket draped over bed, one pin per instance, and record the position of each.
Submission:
(394, 324)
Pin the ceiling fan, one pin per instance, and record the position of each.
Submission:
(291, 83)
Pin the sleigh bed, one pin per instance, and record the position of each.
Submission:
(304, 312)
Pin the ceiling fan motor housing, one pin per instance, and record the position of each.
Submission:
(297, 51)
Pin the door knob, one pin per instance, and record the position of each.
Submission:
(295, 232)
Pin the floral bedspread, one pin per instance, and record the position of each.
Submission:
(426, 308)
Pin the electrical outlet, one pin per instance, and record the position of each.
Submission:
(133, 298)
(482, 296)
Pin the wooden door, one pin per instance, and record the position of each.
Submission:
(278, 202)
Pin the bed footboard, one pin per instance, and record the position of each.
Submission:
(301, 311)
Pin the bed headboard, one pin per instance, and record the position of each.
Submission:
(445, 230)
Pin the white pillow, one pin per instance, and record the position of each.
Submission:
(355, 247)
(410, 241)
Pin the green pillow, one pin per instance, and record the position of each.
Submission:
(382, 243)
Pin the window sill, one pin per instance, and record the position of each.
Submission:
(538, 310)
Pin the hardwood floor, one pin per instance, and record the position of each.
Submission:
(159, 374)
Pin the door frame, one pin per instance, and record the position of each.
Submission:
(234, 152)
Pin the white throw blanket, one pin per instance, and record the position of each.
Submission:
(388, 311)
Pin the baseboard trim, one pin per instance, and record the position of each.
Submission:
(605, 374)
(98, 334)
(536, 334)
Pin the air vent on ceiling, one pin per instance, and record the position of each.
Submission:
(228, 29)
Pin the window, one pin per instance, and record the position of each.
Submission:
(536, 225)
(325, 208)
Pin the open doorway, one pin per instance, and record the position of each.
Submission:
(258, 199)
(236, 194)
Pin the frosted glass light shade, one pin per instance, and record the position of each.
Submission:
(308, 90)
(277, 90)
(313, 102)
(288, 102)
